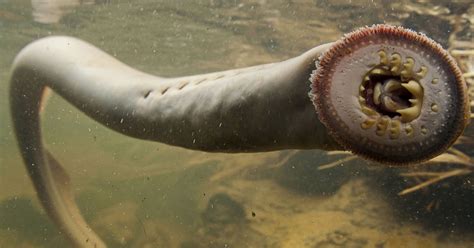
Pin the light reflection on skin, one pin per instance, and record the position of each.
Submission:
(51, 11)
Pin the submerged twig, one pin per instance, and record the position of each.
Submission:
(337, 162)
(440, 177)
(453, 156)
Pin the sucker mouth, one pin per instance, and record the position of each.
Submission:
(384, 91)
(386, 94)
(391, 94)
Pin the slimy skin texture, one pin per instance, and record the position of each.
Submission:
(255, 109)
(390, 95)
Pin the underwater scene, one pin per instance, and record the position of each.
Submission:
(137, 193)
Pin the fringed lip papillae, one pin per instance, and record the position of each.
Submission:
(391, 95)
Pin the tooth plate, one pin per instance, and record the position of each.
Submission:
(340, 71)
(350, 73)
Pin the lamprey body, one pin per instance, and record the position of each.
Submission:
(381, 87)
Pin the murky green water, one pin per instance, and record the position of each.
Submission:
(142, 194)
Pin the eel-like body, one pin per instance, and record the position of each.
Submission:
(255, 109)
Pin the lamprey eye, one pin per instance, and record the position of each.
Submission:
(390, 95)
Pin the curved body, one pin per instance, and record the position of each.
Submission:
(385, 93)
(254, 109)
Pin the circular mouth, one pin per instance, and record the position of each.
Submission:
(390, 95)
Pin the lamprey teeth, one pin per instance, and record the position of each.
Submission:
(411, 113)
(377, 93)
(368, 111)
(382, 125)
(391, 105)
(263, 108)
(414, 88)
(434, 107)
(407, 71)
(409, 130)
(424, 131)
(421, 73)
(383, 57)
(394, 129)
(392, 85)
(368, 123)
(366, 79)
(395, 63)
(379, 71)
(379, 86)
